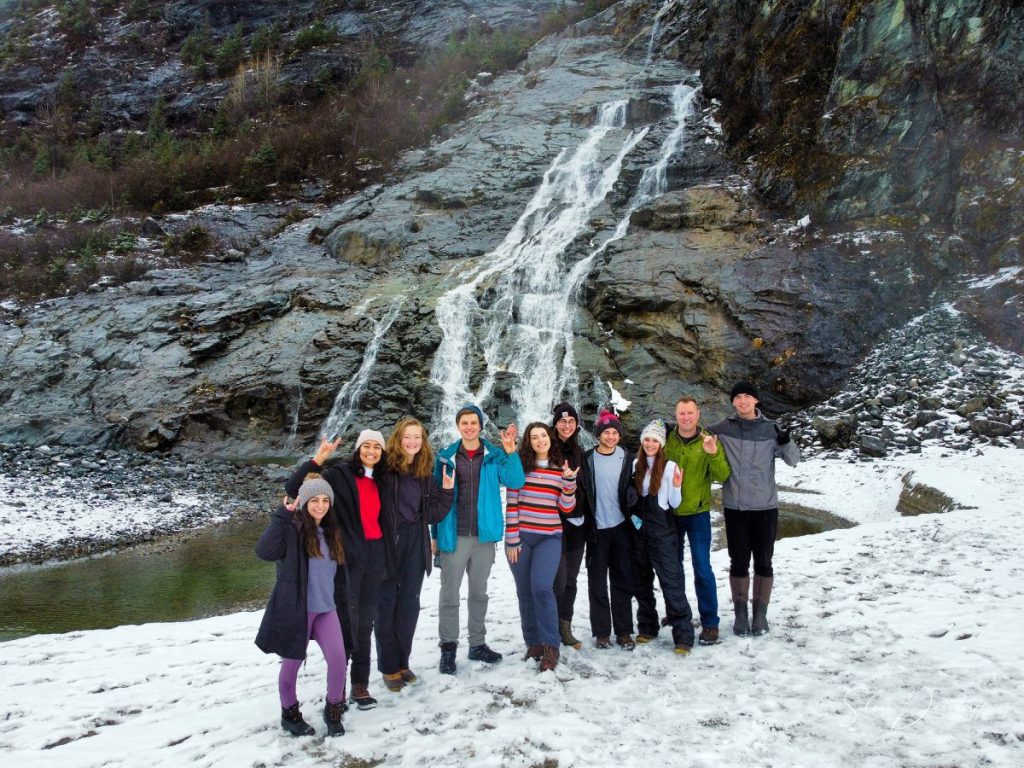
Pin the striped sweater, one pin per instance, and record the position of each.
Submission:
(536, 506)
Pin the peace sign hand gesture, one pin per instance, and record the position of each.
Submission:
(568, 473)
(509, 438)
(447, 481)
(677, 477)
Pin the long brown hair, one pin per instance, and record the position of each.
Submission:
(529, 458)
(657, 470)
(309, 540)
(422, 463)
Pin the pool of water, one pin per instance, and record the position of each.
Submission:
(211, 573)
(214, 572)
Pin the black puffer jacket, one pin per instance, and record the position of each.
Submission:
(283, 628)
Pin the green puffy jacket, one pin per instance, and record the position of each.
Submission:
(699, 470)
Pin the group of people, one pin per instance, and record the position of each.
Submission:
(355, 536)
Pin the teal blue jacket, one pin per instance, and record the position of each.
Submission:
(498, 469)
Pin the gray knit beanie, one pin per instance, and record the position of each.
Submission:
(313, 486)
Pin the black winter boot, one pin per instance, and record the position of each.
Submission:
(484, 653)
(291, 721)
(762, 596)
(332, 716)
(740, 587)
(447, 665)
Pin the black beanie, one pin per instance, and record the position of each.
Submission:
(561, 410)
(743, 388)
(608, 420)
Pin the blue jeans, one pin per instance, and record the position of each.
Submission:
(697, 528)
(534, 573)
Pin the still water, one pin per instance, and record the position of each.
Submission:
(214, 572)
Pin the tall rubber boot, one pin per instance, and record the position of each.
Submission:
(740, 587)
(762, 596)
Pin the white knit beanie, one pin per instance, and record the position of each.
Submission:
(655, 429)
(369, 434)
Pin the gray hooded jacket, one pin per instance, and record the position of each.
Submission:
(751, 447)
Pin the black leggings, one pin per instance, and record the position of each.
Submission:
(751, 533)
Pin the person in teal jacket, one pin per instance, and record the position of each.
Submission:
(467, 535)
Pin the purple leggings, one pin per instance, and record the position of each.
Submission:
(325, 628)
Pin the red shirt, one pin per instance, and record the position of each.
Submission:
(369, 507)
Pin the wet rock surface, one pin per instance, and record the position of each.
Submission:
(244, 356)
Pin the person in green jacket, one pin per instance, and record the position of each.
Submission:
(698, 454)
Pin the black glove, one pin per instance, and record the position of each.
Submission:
(781, 436)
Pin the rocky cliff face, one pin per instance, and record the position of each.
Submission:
(720, 277)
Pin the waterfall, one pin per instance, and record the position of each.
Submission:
(655, 28)
(527, 320)
(352, 390)
(653, 184)
(525, 327)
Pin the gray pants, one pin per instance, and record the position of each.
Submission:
(474, 557)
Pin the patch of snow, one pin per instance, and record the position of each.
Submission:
(1004, 275)
(618, 403)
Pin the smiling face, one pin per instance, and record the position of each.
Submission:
(370, 453)
(540, 442)
(651, 446)
(317, 507)
(745, 405)
(566, 428)
(609, 439)
(412, 440)
(469, 427)
(687, 418)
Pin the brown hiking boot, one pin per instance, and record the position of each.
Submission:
(393, 681)
(708, 636)
(408, 676)
(603, 643)
(550, 659)
(534, 652)
(361, 697)
(625, 642)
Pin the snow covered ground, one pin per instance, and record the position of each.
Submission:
(895, 643)
(58, 514)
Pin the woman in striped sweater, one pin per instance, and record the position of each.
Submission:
(533, 538)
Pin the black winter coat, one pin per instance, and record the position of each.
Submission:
(586, 492)
(435, 503)
(284, 625)
(342, 479)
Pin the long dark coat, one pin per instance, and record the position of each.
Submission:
(285, 623)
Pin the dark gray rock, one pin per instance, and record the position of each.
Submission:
(872, 446)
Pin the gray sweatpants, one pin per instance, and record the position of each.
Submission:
(475, 558)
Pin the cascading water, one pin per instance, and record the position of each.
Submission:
(655, 29)
(351, 392)
(653, 184)
(526, 331)
(528, 319)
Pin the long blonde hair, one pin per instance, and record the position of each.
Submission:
(422, 463)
